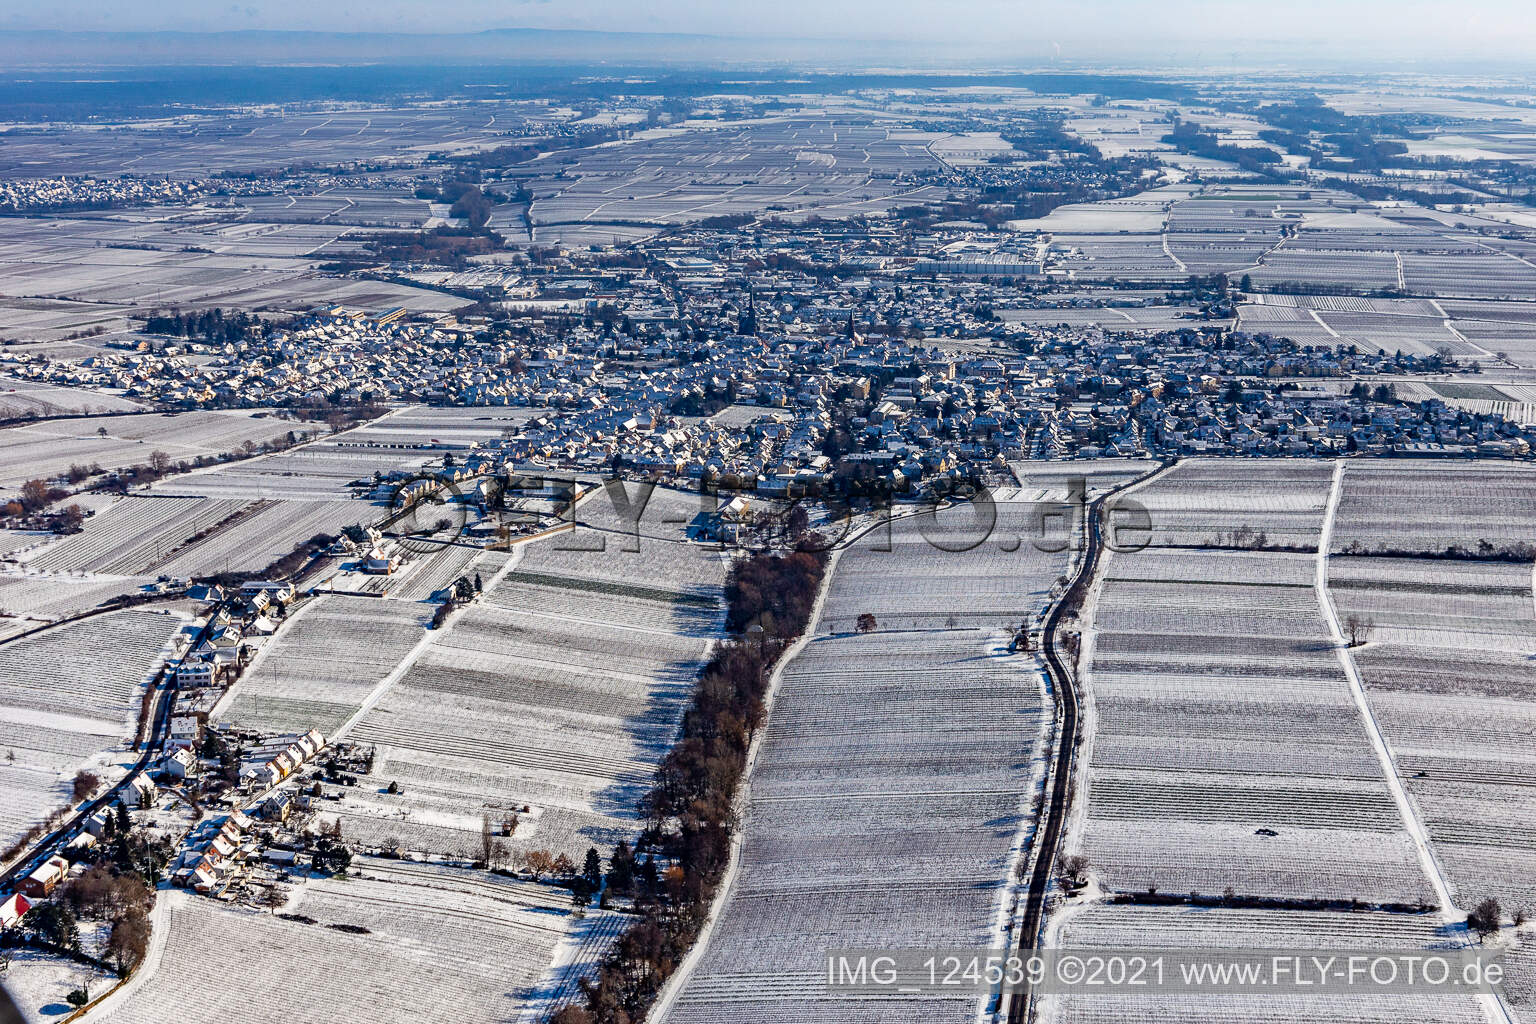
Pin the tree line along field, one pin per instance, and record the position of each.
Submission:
(552, 697)
(68, 696)
(890, 796)
(40, 451)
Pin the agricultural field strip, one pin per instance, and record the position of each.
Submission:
(550, 722)
(834, 688)
(1110, 927)
(1405, 806)
(326, 658)
(133, 533)
(440, 924)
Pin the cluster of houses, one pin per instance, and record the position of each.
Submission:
(725, 354)
(216, 852)
(33, 195)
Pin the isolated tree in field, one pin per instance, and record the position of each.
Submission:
(273, 899)
(1073, 865)
(487, 840)
(1485, 918)
(539, 862)
(866, 623)
(1357, 630)
(34, 495)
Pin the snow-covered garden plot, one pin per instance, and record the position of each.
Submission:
(418, 944)
(1423, 505)
(1187, 928)
(68, 695)
(39, 983)
(1203, 502)
(133, 534)
(891, 784)
(1226, 747)
(558, 690)
(317, 670)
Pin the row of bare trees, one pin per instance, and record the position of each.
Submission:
(689, 809)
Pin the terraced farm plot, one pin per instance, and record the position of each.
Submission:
(558, 690)
(442, 945)
(67, 696)
(888, 798)
(317, 670)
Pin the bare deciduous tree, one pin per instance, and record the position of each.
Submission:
(1357, 630)
(1485, 918)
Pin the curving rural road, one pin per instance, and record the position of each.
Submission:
(1058, 794)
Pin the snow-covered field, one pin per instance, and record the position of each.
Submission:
(47, 449)
(1448, 662)
(68, 696)
(133, 534)
(1188, 928)
(1226, 748)
(1426, 505)
(558, 690)
(317, 669)
(442, 945)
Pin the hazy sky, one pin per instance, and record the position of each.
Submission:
(1080, 27)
